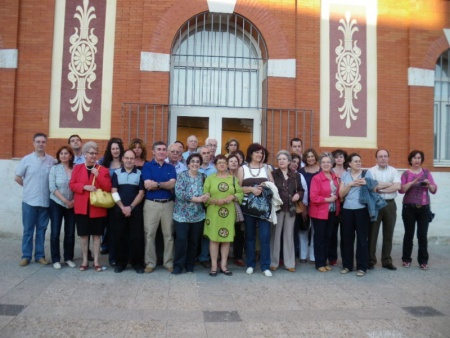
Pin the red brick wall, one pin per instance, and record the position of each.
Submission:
(405, 114)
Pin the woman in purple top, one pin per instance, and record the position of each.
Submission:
(417, 183)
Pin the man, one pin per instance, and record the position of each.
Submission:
(192, 144)
(159, 180)
(296, 147)
(76, 145)
(211, 143)
(207, 167)
(32, 173)
(174, 158)
(388, 184)
(128, 191)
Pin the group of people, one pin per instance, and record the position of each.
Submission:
(203, 203)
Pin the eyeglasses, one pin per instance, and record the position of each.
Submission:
(193, 161)
(212, 145)
(92, 153)
(175, 152)
(205, 153)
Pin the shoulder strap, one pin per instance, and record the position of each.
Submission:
(364, 172)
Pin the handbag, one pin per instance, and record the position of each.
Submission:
(299, 207)
(239, 214)
(100, 198)
(259, 206)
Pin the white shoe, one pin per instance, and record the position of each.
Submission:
(57, 266)
(249, 271)
(267, 273)
(71, 264)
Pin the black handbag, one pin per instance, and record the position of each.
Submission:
(258, 206)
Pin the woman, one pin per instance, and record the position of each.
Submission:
(188, 214)
(355, 218)
(239, 239)
(90, 220)
(240, 155)
(61, 207)
(140, 149)
(231, 146)
(339, 168)
(324, 206)
(417, 183)
(112, 159)
(223, 190)
(301, 220)
(251, 176)
(290, 190)
(311, 168)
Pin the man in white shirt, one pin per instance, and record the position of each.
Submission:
(33, 175)
(192, 144)
(388, 184)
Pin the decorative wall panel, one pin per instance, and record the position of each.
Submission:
(348, 88)
(82, 68)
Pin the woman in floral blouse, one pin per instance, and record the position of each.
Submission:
(188, 214)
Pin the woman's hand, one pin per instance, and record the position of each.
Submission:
(257, 190)
(331, 199)
(90, 188)
(296, 197)
(69, 204)
(94, 171)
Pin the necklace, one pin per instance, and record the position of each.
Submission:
(257, 174)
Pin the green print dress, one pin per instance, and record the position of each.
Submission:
(219, 222)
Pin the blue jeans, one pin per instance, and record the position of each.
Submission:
(187, 237)
(204, 249)
(34, 218)
(411, 214)
(57, 214)
(250, 241)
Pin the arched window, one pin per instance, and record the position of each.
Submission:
(442, 110)
(218, 60)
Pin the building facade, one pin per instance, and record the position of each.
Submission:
(350, 74)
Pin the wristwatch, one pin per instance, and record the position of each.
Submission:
(159, 184)
(131, 207)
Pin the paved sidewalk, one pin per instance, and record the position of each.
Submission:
(39, 301)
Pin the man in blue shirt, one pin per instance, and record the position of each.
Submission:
(128, 192)
(33, 175)
(76, 144)
(159, 181)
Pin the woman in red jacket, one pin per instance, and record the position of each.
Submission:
(90, 220)
(324, 206)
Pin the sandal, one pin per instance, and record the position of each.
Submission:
(226, 272)
(213, 273)
(98, 268)
(84, 267)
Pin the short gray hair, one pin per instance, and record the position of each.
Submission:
(88, 145)
(326, 154)
(286, 153)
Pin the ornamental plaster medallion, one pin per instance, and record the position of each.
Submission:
(348, 75)
(82, 65)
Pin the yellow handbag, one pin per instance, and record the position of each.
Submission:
(100, 198)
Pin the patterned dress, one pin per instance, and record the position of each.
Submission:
(220, 219)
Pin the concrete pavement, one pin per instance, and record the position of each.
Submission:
(39, 301)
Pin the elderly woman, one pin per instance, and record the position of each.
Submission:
(90, 220)
(311, 168)
(223, 190)
(324, 206)
(417, 183)
(140, 149)
(355, 218)
(251, 177)
(61, 207)
(188, 214)
(290, 190)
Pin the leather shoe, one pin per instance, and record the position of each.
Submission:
(389, 267)
(239, 262)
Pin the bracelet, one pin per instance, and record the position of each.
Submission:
(131, 207)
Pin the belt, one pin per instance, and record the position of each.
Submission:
(392, 199)
(161, 201)
(418, 206)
